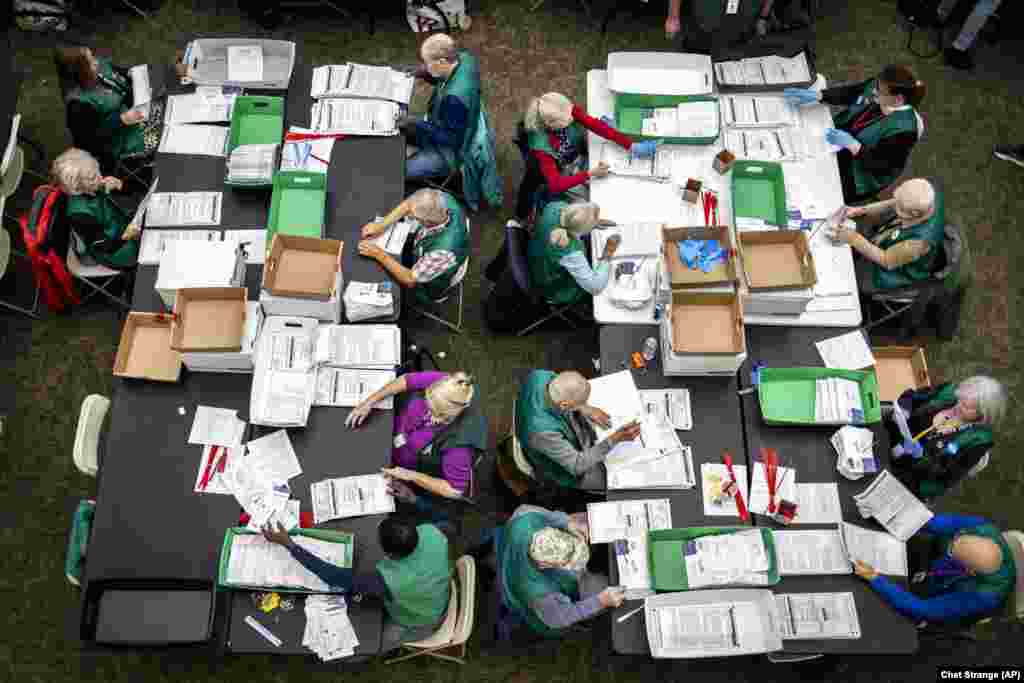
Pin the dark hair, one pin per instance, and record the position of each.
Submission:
(398, 537)
(902, 81)
(74, 64)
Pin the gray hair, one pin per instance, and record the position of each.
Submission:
(440, 46)
(549, 110)
(428, 205)
(576, 219)
(76, 171)
(988, 393)
(569, 386)
(916, 196)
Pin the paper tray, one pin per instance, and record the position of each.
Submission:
(759, 191)
(777, 259)
(298, 204)
(899, 368)
(145, 349)
(811, 68)
(629, 116)
(707, 324)
(787, 395)
(666, 559)
(680, 276)
(319, 534)
(211, 67)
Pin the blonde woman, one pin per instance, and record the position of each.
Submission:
(102, 230)
(437, 433)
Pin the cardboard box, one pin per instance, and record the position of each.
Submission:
(187, 264)
(249, 317)
(777, 259)
(302, 267)
(683, 277)
(707, 323)
(209, 319)
(899, 368)
(778, 302)
(693, 364)
(145, 349)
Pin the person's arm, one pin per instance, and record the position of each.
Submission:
(555, 446)
(436, 485)
(448, 131)
(843, 95)
(947, 525)
(600, 128)
(553, 178)
(342, 578)
(593, 280)
(955, 605)
(553, 518)
(558, 611)
(359, 414)
(899, 254)
(395, 215)
(888, 154)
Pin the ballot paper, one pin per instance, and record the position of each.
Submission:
(255, 561)
(848, 351)
(197, 108)
(614, 520)
(837, 401)
(762, 145)
(359, 346)
(630, 465)
(194, 139)
(142, 93)
(670, 405)
(310, 154)
(617, 395)
(834, 266)
(355, 116)
(140, 210)
(769, 70)
(253, 241)
(713, 477)
(368, 301)
(855, 451)
(817, 504)
(290, 352)
(288, 517)
(893, 505)
(286, 398)
(810, 616)
(883, 552)
(785, 478)
(257, 495)
(810, 552)
(154, 242)
(636, 239)
(687, 120)
(622, 162)
(274, 457)
(634, 569)
(348, 387)
(176, 209)
(350, 497)
(393, 239)
(245, 63)
(711, 623)
(284, 381)
(756, 111)
(329, 632)
(723, 559)
(216, 427)
(360, 80)
(214, 461)
(252, 164)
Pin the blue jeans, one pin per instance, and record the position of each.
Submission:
(426, 163)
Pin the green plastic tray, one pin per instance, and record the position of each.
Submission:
(787, 394)
(256, 120)
(298, 204)
(665, 554)
(759, 191)
(319, 534)
(629, 115)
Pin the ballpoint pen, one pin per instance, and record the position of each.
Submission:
(630, 614)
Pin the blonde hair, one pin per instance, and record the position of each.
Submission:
(552, 110)
(428, 205)
(988, 394)
(576, 219)
(440, 46)
(916, 196)
(76, 171)
(449, 396)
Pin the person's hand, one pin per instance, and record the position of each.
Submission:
(608, 121)
(399, 473)
(840, 138)
(844, 235)
(373, 229)
(371, 250)
(856, 211)
(132, 116)
(131, 232)
(611, 246)
(611, 597)
(864, 570)
(401, 491)
(627, 432)
(578, 525)
(597, 416)
(644, 150)
(111, 184)
(358, 415)
(672, 27)
(601, 170)
(279, 535)
(800, 96)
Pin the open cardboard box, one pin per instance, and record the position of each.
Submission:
(145, 349)
(899, 368)
(680, 275)
(707, 323)
(303, 267)
(777, 259)
(209, 319)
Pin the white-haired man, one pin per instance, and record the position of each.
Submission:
(554, 425)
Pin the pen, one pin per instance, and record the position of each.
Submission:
(753, 102)
(348, 77)
(630, 614)
(792, 620)
(732, 633)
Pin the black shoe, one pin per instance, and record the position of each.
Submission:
(958, 59)
(1012, 153)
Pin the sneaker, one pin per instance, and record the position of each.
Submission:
(958, 59)
(513, 223)
(1012, 153)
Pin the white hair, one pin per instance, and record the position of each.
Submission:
(916, 196)
(569, 387)
(449, 396)
(77, 172)
(576, 219)
(440, 46)
(989, 395)
(552, 110)
(428, 205)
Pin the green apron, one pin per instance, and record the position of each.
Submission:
(464, 84)
(419, 583)
(900, 121)
(534, 413)
(1001, 581)
(106, 246)
(454, 238)
(540, 141)
(522, 582)
(932, 231)
(110, 97)
(547, 275)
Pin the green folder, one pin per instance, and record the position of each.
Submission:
(256, 120)
(759, 191)
(666, 555)
(630, 111)
(230, 535)
(297, 205)
(787, 394)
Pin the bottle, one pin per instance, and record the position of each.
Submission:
(650, 351)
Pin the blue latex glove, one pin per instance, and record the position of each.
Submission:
(608, 121)
(913, 449)
(801, 96)
(840, 138)
(644, 150)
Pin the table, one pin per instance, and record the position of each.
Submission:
(716, 427)
(624, 199)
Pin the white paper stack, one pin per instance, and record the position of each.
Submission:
(186, 263)
(883, 552)
(355, 116)
(616, 394)
(360, 80)
(252, 165)
(727, 559)
(177, 209)
(284, 381)
(194, 139)
(687, 120)
(854, 451)
(142, 92)
(669, 405)
(762, 145)
(348, 387)
(368, 301)
(837, 401)
(350, 497)
(255, 561)
(154, 242)
(769, 70)
(622, 162)
(259, 481)
(893, 505)
(359, 346)
(254, 242)
(631, 466)
(756, 111)
(393, 239)
(810, 616)
(329, 631)
(848, 351)
(625, 524)
(197, 107)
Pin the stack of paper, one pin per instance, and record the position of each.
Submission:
(288, 517)
(329, 631)
(368, 301)
(616, 394)
(198, 108)
(809, 616)
(154, 242)
(762, 145)
(622, 162)
(355, 116)
(769, 70)
(350, 497)
(634, 569)
(255, 561)
(142, 93)
(855, 451)
(254, 242)
(348, 387)
(216, 427)
(626, 523)
(285, 379)
(837, 401)
(884, 552)
(360, 80)
(686, 120)
(669, 405)
(194, 139)
(393, 239)
(757, 111)
(310, 154)
(723, 559)
(714, 477)
(245, 63)
(359, 346)
(176, 209)
(785, 488)
(813, 552)
(252, 165)
(893, 505)
(260, 480)
(711, 623)
(631, 466)
(848, 351)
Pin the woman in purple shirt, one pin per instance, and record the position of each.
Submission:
(437, 431)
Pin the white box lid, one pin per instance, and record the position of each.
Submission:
(660, 73)
(187, 263)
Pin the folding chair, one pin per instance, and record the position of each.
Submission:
(517, 473)
(517, 241)
(87, 434)
(5, 259)
(99, 279)
(457, 284)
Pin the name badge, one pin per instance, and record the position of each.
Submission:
(732, 6)
(399, 440)
(896, 234)
(428, 449)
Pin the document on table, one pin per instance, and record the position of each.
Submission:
(257, 495)
(194, 139)
(212, 465)
(614, 520)
(637, 239)
(711, 623)
(761, 145)
(785, 478)
(350, 497)
(848, 351)
(631, 466)
(771, 70)
(359, 346)
(810, 551)
(255, 561)
(355, 116)
(713, 477)
(884, 552)
(634, 570)
(252, 164)
(360, 80)
(893, 505)
(669, 405)
(723, 559)
(818, 504)
(394, 238)
(834, 266)
(837, 401)
(274, 457)
(809, 616)
(287, 398)
(140, 210)
(142, 93)
(617, 395)
(216, 427)
(291, 352)
(245, 63)
(196, 108)
(757, 111)
(347, 387)
(660, 122)
(622, 162)
(313, 154)
(154, 242)
(329, 631)
(254, 242)
(176, 209)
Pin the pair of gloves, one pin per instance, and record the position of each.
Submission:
(645, 149)
(798, 97)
